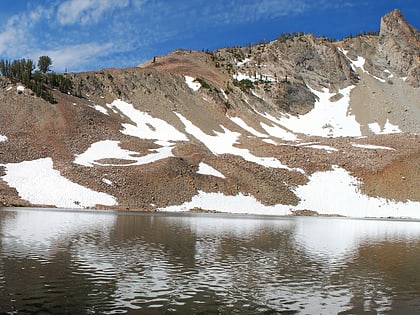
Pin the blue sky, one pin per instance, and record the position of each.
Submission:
(84, 35)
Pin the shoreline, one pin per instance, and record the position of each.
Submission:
(204, 213)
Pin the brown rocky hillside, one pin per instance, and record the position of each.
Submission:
(265, 99)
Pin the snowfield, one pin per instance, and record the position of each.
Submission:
(206, 169)
(333, 192)
(326, 119)
(108, 149)
(223, 143)
(371, 147)
(387, 129)
(146, 126)
(39, 183)
(192, 84)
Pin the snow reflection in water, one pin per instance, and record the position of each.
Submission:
(98, 262)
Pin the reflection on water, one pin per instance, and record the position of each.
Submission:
(106, 263)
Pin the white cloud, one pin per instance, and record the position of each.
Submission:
(248, 11)
(74, 57)
(86, 11)
(17, 35)
(13, 33)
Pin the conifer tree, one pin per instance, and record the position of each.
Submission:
(44, 64)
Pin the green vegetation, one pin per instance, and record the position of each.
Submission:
(39, 82)
(44, 64)
(289, 36)
(203, 83)
(365, 33)
(245, 85)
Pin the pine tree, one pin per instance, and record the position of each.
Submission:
(44, 64)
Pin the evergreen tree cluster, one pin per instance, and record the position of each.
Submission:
(39, 82)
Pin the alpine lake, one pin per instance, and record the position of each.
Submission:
(104, 262)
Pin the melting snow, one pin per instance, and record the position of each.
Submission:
(109, 149)
(387, 128)
(371, 146)
(326, 119)
(223, 143)
(279, 132)
(322, 147)
(101, 109)
(390, 75)
(244, 126)
(192, 84)
(337, 192)
(360, 63)
(229, 204)
(206, 169)
(106, 181)
(331, 192)
(146, 126)
(242, 76)
(258, 76)
(224, 94)
(241, 63)
(39, 183)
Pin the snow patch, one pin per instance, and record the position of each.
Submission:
(388, 128)
(101, 109)
(256, 77)
(333, 192)
(371, 147)
(223, 143)
(337, 192)
(229, 204)
(389, 74)
(279, 132)
(20, 88)
(206, 169)
(322, 147)
(326, 119)
(146, 126)
(241, 63)
(109, 149)
(3, 138)
(246, 127)
(107, 181)
(39, 183)
(224, 94)
(360, 63)
(192, 84)
(243, 76)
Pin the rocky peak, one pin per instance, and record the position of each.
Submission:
(394, 24)
(399, 46)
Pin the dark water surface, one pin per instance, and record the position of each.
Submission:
(64, 262)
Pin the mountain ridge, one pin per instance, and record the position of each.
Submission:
(264, 121)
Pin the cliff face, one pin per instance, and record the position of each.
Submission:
(238, 129)
(400, 44)
(396, 49)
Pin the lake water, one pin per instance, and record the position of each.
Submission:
(69, 262)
